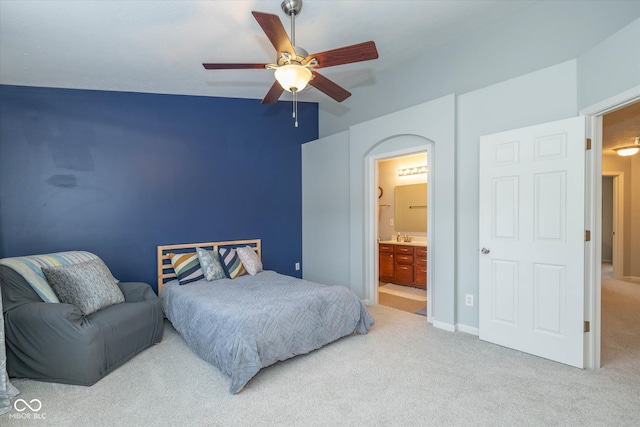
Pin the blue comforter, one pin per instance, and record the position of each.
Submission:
(251, 322)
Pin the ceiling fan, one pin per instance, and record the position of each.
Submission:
(294, 67)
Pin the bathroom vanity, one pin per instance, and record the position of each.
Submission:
(403, 263)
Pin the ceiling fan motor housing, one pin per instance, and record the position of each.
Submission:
(300, 57)
(291, 7)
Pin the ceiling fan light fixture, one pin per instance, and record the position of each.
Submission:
(293, 77)
(629, 150)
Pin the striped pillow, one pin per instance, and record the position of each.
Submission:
(30, 267)
(231, 263)
(187, 267)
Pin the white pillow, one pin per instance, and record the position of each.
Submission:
(250, 260)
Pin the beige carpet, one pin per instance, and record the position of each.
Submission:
(403, 291)
(403, 373)
(620, 321)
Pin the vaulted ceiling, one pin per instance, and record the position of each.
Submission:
(159, 46)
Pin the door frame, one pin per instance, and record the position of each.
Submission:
(593, 219)
(372, 227)
(618, 222)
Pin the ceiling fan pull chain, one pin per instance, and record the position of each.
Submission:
(295, 106)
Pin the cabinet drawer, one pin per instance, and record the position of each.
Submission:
(404, 273)
(421, 261)
(421, 252)
(404, 259)
(407, 250)
(385, 248)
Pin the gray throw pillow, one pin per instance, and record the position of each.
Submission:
(88, 285)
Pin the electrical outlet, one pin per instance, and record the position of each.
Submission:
(391, 221)
(469, 300)
(297, 266)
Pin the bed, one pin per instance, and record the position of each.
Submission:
(244, 324)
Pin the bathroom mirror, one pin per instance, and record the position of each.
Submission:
(411, 208)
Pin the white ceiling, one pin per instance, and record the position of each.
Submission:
(159, 46)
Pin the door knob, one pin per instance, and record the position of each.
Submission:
(485, 251)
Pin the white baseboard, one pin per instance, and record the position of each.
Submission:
(631, 278)
(446, 326)
(468, 329)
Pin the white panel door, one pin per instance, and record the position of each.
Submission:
(532, 236)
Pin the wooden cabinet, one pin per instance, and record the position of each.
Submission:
(420, 267)
(386, 262)
(403, 264)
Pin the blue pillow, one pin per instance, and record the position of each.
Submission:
(231, 263)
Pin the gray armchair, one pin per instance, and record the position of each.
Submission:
(56, 342)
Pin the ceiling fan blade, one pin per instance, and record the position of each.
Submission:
(272, 27)
(213, 66)
(274, 94)
(346, 55)
(325, 85)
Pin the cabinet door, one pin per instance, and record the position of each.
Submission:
(420, 276)
(386, 267)
(404, 273)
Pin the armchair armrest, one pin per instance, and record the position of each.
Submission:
(137, 291)
(38, 320)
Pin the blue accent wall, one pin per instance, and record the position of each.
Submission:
(119, 173)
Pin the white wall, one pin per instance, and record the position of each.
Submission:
(544, 94)
(545, 34)
(611, 67)
(325, 210)
(326, 247)
(413, 128)
(539, 97)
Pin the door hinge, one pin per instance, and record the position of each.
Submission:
(588, 144)
(587, 236)
(587, 326)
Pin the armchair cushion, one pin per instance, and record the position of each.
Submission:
(88, 285)
(137, 292)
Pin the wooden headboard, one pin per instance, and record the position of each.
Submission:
(165, 269)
